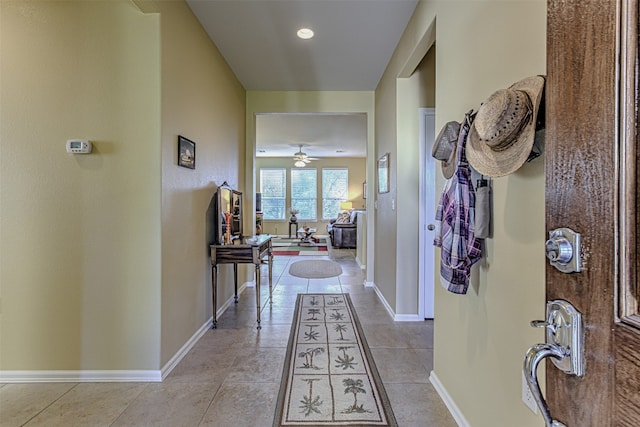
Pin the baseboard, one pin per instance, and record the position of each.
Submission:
(384, 301)
(369, 284)
(108, 376)
(407, 318)
(173, 362)
(448, 401)
(105, 376)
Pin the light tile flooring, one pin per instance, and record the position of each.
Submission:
(232, 375)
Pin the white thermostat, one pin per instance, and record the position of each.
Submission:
(79, 146)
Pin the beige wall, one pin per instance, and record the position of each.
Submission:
(203, 101)
(357, 175)
(480, 338)
(80, 234)
(104, 263)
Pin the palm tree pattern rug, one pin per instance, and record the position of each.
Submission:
(329, 377)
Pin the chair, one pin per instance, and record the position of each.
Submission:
(343, 230)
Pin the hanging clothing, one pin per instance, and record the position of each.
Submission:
(455, 220)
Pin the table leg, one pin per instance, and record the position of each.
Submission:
(258, 292)
(214, 293)
(270, 257)
(235, 282)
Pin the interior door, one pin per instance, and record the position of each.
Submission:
(427, 212)
(591, 152)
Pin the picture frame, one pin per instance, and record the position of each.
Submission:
(364, 190)
(186, 152)
(383, 174)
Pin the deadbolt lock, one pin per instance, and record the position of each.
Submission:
(563, 250)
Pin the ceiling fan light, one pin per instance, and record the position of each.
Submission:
(305, 33)
(300, 164)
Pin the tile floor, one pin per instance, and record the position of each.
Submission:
(232, 375)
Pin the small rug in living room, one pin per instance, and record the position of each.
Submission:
(329, 377)
(296, 247)
(315, 269)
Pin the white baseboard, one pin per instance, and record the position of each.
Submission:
(115, 375)
(79, 376)
(448, 401)
(383, 301)
(387, 306)
(408, 318)
(173, 362)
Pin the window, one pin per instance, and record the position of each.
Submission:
(304, 192)
(273, 186)
(335, 189)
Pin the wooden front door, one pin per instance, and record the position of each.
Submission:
(591, 176)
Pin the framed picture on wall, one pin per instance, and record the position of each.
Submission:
(383, 174)
(186, 153)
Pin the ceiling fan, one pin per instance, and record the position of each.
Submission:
(301, 159)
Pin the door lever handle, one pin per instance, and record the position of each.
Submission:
(544, 324)
(532, 359)
(564, 342)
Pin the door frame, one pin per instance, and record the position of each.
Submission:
(426, 250)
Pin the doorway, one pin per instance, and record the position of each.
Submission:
(427, 213)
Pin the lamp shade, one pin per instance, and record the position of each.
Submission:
(346, 206)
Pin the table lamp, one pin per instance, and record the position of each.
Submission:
(346, 206)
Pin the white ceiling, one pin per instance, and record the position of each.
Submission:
(322, 135)
(354, 40)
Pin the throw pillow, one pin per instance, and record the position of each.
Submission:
(343, 218)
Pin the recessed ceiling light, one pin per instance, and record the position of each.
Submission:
(305, 33)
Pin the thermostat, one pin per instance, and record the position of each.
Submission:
(79, 146)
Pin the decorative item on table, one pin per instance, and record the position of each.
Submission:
(259, 218)
(293, 213)
(227, 234)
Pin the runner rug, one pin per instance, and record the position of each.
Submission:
(329, 377)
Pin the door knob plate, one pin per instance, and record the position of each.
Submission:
(564, 342)
(563, 250)
(567, 334)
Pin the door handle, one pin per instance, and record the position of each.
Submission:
(564, 345)
(534, 356)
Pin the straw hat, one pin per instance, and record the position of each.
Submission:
(445, 148)
(501, 137)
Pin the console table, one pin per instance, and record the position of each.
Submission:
(254, 250)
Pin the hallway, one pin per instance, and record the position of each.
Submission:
(232, 375)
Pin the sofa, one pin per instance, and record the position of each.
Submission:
(343, 230)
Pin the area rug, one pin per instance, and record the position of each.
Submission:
(329, 377)
(294, 247)
(315, 269)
